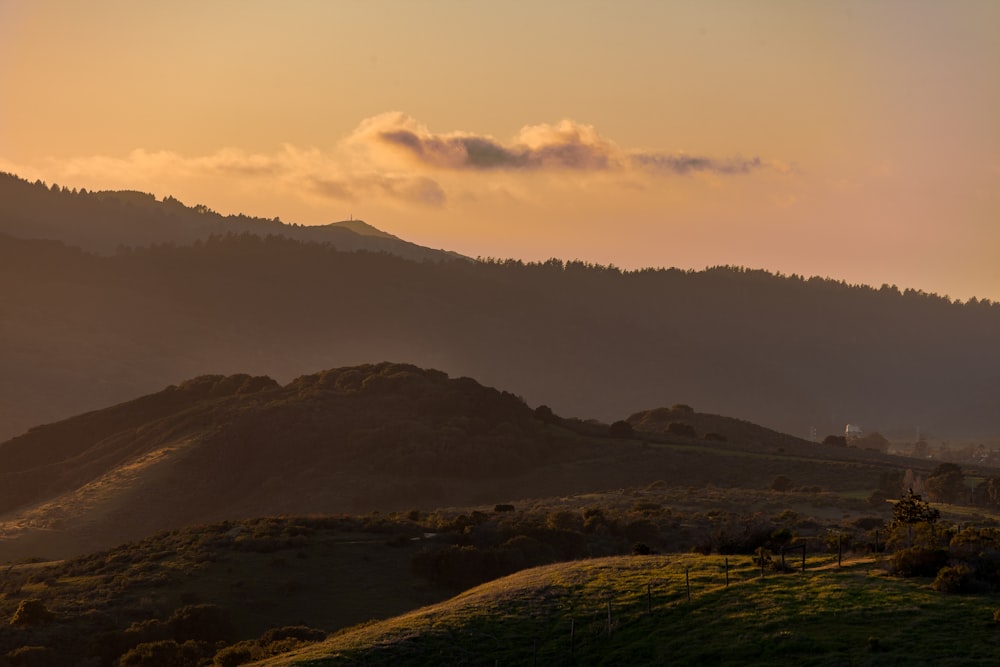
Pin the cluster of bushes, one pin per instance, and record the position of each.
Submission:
(271, 643)
(475, 548)
(960, 562)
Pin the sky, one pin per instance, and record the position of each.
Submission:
(853, 140)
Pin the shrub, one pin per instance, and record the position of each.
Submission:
(33, 656)
(954, 579)
(238, 654)
(200, 622)
(781, 484)
(621, 429)
(641, 549)
(918, 561)
(31, 612)
(167, 653)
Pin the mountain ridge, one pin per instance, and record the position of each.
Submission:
(103, 220)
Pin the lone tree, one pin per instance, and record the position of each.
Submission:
(913, 509)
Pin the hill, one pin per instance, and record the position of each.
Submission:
(252, 588)
(636, 611)
(223, 447)
(801, 356)
(384, 436)
(102, 221)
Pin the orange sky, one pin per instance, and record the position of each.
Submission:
(853, 140)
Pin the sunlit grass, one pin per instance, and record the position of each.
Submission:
(559, 615)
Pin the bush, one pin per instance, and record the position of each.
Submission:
(621, 429)
(641, 549)
(238, 654)
(200, 622)
(167, 653)
(918, 562)
(31, 612)
(33, 656)
(954, 579)
(781, 484)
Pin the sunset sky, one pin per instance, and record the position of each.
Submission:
(855, 140)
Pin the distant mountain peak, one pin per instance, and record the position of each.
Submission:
(363, 228)
(104, 220)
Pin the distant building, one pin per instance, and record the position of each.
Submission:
(852, 432)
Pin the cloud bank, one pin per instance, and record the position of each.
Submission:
(565, 146)
(393, 159)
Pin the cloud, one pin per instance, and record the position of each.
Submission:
(685, 164)
(420, 190)
(290, 171)
(565, 146)
(391, 159)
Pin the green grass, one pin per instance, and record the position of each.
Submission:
(825, 616)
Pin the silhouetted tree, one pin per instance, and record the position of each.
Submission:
(912, 509)
(946, 484)
(621, 429)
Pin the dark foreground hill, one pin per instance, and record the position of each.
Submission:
(386, 437)
(238, 591)
(81, 331)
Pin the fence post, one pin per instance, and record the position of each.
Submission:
(572, 635)
(840, 549)
(727, 571)
(649, 598)
(803, 557)
(609, 618)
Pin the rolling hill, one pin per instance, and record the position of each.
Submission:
(636, 611)
(385, 436)
(258, 588)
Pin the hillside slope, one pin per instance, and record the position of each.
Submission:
(372, 437)
(559, 614)
(222, 447)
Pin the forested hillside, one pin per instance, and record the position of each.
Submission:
(82, 331)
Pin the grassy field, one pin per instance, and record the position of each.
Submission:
(559, 615)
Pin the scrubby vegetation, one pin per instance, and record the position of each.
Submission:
(232, 592)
